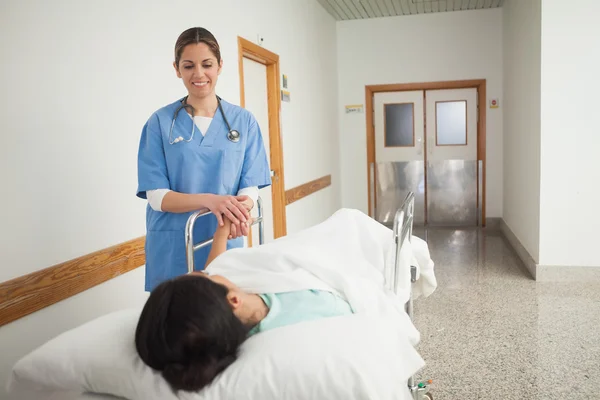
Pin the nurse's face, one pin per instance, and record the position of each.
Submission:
(199, 70)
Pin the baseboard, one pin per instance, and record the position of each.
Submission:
(493, 223)
(521, 251)
(548, 273)
(567, 273)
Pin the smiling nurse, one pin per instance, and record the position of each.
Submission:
(197, 152)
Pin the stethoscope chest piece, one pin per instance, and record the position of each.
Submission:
(233, 135)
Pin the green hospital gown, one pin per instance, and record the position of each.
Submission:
(305, 305)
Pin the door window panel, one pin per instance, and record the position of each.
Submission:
(451, 123)
(399, 130)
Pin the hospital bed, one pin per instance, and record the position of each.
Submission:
(402, 231)
(402, 235)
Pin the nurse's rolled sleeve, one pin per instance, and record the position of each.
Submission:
(255, 171)
(152, 167)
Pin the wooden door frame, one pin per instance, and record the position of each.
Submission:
(479, 84)
(247, 49)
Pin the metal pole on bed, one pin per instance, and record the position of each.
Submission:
(190, 247)
(403, 228)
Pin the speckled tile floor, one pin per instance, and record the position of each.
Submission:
(491, 332)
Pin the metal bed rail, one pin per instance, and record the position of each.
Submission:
(190, 247)
(403, 228)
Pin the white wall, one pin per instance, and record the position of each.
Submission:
(522, 46)
(304, 37)
(79, 79)
(420, 48)
(570, 171)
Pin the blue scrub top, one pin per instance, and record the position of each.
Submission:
(207, 164)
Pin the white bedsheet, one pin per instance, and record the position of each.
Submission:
(426, 281)
(347, 253)
(96, 396)
(59, 395)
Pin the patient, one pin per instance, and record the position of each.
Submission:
(192, 326)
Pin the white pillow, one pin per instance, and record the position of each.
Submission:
(349, 357)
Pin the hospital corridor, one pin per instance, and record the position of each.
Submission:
(490, 332)
(299, 200)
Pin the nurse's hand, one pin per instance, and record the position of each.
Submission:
(227, 206)
(243, 229)
(246, 202)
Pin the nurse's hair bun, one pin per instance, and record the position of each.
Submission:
(188, 331)
(195, 36)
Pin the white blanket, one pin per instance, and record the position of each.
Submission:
(347, 253)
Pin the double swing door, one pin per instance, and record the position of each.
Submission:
(426, 142)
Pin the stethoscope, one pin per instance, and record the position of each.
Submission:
(232, 134)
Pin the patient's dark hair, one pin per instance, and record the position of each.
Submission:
(188, 331)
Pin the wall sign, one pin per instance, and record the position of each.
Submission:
(354, 109)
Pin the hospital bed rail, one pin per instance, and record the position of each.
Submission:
(403, 229)
(190, 247)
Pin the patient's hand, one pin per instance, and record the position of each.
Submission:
(230, 230)
(243, 229)
(223, 232)
(240, 230)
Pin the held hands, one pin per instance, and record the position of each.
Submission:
(243, 229)
(233, 211)
(231, 231)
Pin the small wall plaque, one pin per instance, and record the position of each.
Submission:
(354, 109)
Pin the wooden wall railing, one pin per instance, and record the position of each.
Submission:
(299, 192)
(32, 292)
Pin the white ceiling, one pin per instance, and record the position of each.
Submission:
(360, 9)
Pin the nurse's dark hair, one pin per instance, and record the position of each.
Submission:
(195, 36)
(188, 331)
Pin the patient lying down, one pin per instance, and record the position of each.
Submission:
(192, 326)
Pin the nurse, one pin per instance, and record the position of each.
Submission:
(189, 159)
